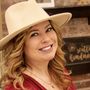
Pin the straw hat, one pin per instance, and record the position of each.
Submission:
(23, 15)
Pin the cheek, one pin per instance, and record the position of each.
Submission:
(55, 40)
(54, 37)
(31, 45)
(29, 49)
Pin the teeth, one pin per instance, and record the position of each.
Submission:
(46, 48)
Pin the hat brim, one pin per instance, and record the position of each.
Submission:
(59, 19)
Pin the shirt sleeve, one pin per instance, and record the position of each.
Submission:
(72, 86)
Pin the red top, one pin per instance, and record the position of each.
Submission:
(32, 84)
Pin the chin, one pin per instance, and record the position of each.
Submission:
(49, 57)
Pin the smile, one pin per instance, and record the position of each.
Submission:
(46, 48)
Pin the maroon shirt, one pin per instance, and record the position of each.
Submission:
(32, 84)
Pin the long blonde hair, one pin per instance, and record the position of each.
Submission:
(14, 62)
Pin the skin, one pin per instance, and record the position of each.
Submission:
(40, 47)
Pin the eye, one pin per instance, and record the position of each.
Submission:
(49, 29)
(34, 34)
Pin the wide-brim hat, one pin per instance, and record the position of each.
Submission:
(23, 15)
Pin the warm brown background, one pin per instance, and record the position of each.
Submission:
(0, 22)
(77, 27)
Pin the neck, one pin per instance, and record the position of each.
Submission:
(38, 72)
(39, 68)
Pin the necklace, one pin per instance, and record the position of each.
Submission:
(47, 83)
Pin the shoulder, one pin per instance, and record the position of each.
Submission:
(29, 83)
(72, 87)
(9, 87)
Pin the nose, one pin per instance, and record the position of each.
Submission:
(45, 38)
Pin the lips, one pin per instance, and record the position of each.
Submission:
(46, 48)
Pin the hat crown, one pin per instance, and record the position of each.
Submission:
(23, 14)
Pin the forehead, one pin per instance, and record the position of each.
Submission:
(39, 25)
(44, 23)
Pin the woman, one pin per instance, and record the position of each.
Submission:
(33, 56)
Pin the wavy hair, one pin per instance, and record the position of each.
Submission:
(14, 62)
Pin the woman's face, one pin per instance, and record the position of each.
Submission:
(41, 44)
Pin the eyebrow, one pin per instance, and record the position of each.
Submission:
(37, 29)
(47, 25)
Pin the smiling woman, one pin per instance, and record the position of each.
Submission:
(41, 42)
(33, 59)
